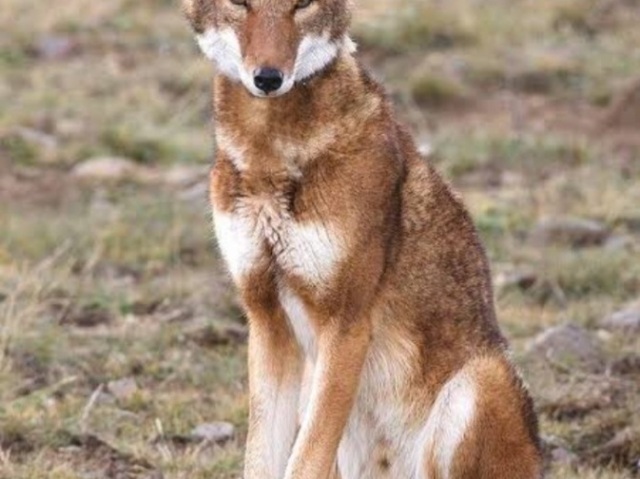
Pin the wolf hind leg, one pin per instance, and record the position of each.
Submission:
(482, 426)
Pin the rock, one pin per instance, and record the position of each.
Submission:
(619, 243)
(627, 320)
(515, 280)
(425, 149)
(563, 456)
(197, 193)
(184, 176)
(123, 389)
(563, 397)
(26, 146)
(70, 127)
(568, 375)
(569, 346)
(106, 169)
(55, 47)
(556, 451)
(574, 232)
(215, 432)
(604, 336)
(114, 169)
(174, 314)
(38, 138)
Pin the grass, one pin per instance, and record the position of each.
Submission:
(416, 26)
(568, 48)
(532, 155)
(103, 282)
(435, 90)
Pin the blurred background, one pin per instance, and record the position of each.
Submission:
(122, 349)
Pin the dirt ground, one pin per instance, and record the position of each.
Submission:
(122, 347)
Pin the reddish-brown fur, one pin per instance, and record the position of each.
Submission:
(412, 280)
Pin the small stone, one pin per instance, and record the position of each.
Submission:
(569, 346)
(574, 232)
(70, 127)
(425, 149)
(619, 243)
(509, 280)
(38, 138)
(215, 432)
(557, 452)
(106, 169)
(513, 179)
(604, 336)
(627, 320)
(123, 389)
(564, 457)
(197, 193)
(55, 47)
(184, 176)
(176, 314)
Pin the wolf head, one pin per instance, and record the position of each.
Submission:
(270, 45)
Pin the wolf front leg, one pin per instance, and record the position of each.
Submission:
(341, 354)
(275, 375)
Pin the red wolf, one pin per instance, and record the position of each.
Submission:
(374, 350)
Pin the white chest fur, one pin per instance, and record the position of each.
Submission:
(264, 229)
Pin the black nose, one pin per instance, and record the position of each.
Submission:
(268, 79)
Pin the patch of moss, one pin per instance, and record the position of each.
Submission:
(435, 90)
(129, 144)
(18, 149)
(418, 26)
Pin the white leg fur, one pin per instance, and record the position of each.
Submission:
(299, 321)
(449, 418)
(355, 454)
(377, 419)
(312, 407)
(274, 406)
(281, 424)
(239, 244)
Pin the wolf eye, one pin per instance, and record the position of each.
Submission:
(303, 4)
(240, 3)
